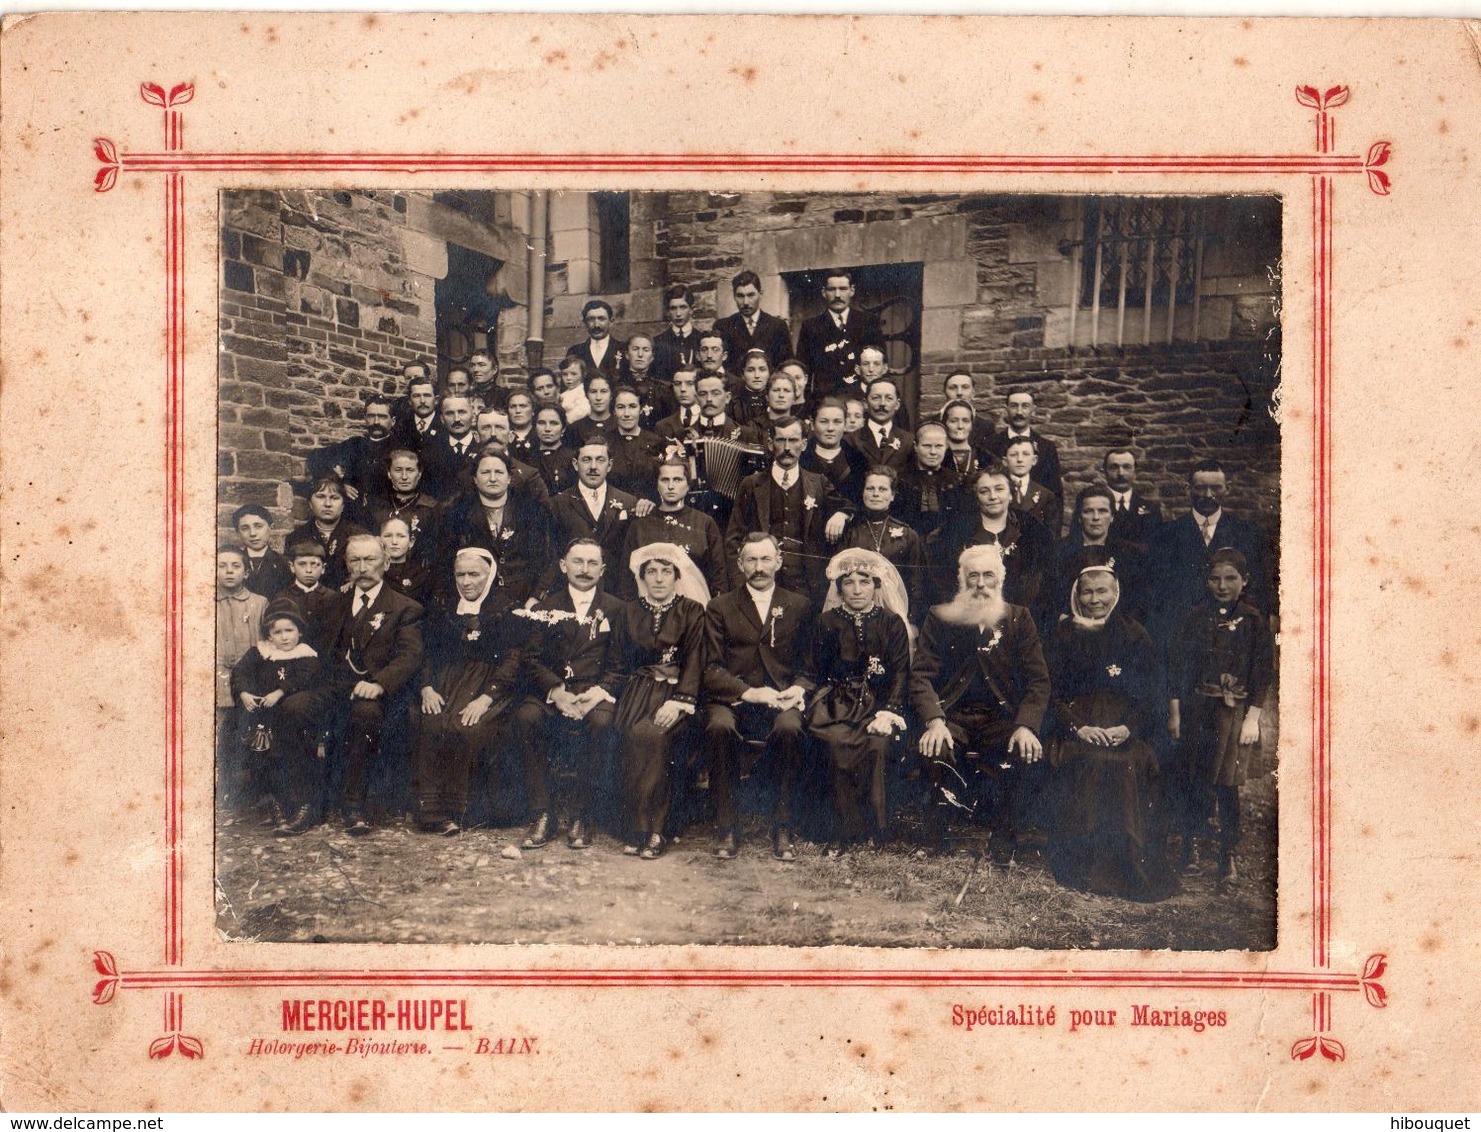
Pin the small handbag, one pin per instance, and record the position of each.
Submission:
(259, 737)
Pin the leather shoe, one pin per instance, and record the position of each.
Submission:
(654, 848)
(301, 822)
(782, 846)
(578, 838)
(356, 825)
(539, 835)
(450, 829)
(273, 816)
(725, 845)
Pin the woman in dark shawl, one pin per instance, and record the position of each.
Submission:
(1104, 674)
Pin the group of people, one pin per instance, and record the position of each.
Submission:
(542, 567)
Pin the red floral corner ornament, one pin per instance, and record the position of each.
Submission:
(155, 95)
(1373, 970)
(188, 1047)
(1378, 154)
(107, 987)
(104, 151)
(1307, 1048)
(1322, 100)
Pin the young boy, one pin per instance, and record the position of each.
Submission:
(1030, 497)
(277, 666)
(317, 603)
(267, 570)
(238, 618)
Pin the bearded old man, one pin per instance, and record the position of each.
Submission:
(980, 686)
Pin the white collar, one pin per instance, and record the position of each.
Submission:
(581, 602)
(595, 500)
(267, 651)
(783, 478)
(761, 598)
(372, 593)
(1205, 522)
(1026, 432)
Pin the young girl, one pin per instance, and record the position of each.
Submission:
(403, 572)
(277, 666)
(1220, 669)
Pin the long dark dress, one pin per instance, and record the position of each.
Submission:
(863, 667)
(662, 656)
(1104, 677)
(467, 656)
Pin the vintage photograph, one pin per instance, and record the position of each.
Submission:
(892, 569)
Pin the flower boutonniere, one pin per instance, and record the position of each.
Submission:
(377, 621)
(570, 673)
(809, 502)
(472, 635)
(507, 533)
(875, 667)
(406, 581)
(1035, 499)
(1141, 509)
(1113, 670)
(897, 532)
(893, 442)
(992, 642)
(282, 673)
(1233, 623)
(670, 655)
(1007, 548)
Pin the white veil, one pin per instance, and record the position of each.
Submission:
(890, 592)
(691, 583)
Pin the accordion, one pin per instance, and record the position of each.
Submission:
(720, 464)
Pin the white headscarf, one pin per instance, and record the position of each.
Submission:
(1077, 615)
(691, 583)
(889, 589)
(476, 605)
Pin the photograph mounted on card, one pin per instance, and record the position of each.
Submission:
(918, 563)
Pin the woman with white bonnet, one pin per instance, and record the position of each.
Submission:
(468, 678)
(660, 648)
(861, 656)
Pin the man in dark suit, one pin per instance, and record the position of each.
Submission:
(801, 510)
(1020, 421)
(593, 509)
(686, 407)
(447, 459)
(751, 328)
(1180, 550)
(829, 344)
(759, 638)
(572, 708)
(980, 685)
(1136, 515)
(418, 424)
(601, 352)
(359, 461)
(676, 347)
(377, 649)
(881, 440)
(656, 397)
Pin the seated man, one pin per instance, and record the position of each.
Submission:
(980, 685)
(759, 639)
(572, 708)
(376, 650)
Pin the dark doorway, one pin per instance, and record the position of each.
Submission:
(468, 305)
(891, 290)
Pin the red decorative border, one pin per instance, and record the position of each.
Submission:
(1322, 983)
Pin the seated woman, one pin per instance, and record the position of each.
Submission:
(468, 678)
(861, 653)
(1103, 669)
(660, 643)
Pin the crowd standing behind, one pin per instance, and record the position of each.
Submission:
(877, 617)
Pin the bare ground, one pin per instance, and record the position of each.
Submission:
(403, 886)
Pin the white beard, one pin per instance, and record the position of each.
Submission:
(969, 609)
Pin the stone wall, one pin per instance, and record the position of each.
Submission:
(318, 309)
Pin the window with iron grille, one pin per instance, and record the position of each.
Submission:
(1132, 243)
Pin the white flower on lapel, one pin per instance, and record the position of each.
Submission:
(670, 655)
(570, 673)
(875, 667)
(1141, 509)
(1035, 499)
(992, 642)
(473, 635)
(406, 581)
(809, 502)
(507, 533)
(897, 532)
(893, 442)
(377, 621)
(1113, 670)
